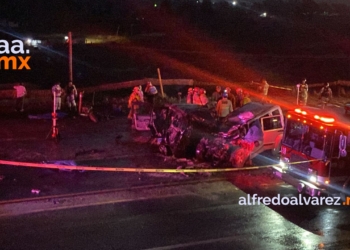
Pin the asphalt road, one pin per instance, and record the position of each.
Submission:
(203, 216)
(199, 216)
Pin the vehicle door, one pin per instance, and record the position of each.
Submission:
(272, 126)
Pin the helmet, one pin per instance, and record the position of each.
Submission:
(196, 89)
(239, 90)
(228, 89)
(190, 90)
(202, 91)
(136, 89)
(153, 90)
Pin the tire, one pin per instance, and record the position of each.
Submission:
(239, 158)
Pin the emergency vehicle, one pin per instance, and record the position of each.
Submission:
(315, 154)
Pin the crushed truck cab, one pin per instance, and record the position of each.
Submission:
(229, 145)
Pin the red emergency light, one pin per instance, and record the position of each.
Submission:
(300, 111)
(317, 117)
(324, 119)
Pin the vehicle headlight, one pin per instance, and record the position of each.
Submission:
(312, 175)
(282, 164)
(313, 178)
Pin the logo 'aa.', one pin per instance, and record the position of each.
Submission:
(13, 52)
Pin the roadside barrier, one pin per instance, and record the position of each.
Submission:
(137, 170)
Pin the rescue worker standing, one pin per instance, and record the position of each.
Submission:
(57, 92)
(264, 88)
(303, 92)
(189, 96)
(239, 98)
(195, 98)
(72, 93)
(20, 94)
(223, 107)
(217, 94)
(151, 92)
(246, 98)
(141, 93)
(325, 95)
(231, 97)
(134, 99)
(203, 97)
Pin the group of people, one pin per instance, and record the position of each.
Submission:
(226, 100)
(57, 92)
(137, 96)
(71, 94)
(325, 95)
(197, 96)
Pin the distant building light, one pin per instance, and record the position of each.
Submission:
(234, 3)
(66, 38)
(33, 42)
(264, 14)
(155, 5)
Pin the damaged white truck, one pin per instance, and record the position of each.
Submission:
(187, 130)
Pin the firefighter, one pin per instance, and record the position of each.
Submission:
(224, 107)
(303, 92)
(231, 97)
(325, 95)
(134, 99)
(246, 98)
(217, 95)
(203, 97)
(239, 97)
(196, 100)
(189, 96)
(151, 92)
(57, 92)
(72, 93)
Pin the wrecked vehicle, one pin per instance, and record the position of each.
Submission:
(178, 128)
(231, 145)
(187, 130)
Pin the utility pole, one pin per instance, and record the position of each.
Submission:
(70, 56)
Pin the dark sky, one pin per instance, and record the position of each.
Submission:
(317, 1)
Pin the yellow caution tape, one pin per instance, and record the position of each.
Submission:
(273, 86)
(137, 170)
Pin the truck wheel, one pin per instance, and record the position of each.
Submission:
(239, 158)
